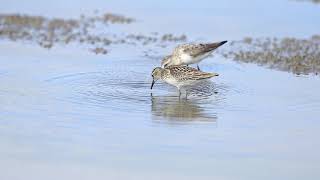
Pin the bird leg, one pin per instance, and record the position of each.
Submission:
(186, 95)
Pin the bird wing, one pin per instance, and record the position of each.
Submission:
(195, 50)
(183, 73)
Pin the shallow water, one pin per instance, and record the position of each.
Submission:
(69, 114)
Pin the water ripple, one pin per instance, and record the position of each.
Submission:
(130, 91)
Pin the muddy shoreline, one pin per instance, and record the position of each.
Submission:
(299, 56)
(49, 32)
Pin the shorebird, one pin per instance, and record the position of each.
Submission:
(180, 76)
(186, 54)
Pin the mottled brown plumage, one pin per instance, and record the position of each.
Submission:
(183, 73)
(180, 76)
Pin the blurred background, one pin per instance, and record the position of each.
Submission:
(75, 98)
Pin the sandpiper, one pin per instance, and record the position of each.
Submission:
(180, 76)
(186, 54)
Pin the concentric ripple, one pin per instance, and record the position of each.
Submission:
(129, 91)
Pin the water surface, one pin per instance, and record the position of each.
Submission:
(69, 114)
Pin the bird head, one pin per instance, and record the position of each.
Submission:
(166, 61)
(156, 74)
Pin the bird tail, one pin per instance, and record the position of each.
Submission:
(213, 74)
(213, 46)
(208, 75)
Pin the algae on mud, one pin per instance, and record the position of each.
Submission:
(299, 56)
(48, 32)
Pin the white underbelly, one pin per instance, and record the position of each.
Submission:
(182, 84)
(172, 81)
(187, 59)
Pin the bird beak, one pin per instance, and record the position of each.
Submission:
(153, 81)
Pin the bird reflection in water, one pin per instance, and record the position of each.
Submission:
(177, 110)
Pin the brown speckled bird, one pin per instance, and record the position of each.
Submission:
(180, 76)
